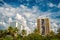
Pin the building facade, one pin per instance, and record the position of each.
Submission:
(43, 26)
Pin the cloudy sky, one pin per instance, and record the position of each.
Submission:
(27, 11)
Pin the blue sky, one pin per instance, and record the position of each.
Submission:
(42, 4)
(29, 11)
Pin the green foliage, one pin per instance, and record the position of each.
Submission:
(58, 30)
(34, 36)
(8, 37)
(23, 32)
(12, 34)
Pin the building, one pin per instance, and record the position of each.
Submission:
(14, 24)
(2, 26)
(20, 27)
(43, 26)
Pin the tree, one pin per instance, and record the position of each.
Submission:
(23, 33)
(52, 33)
(34, 36)
(13, 32)
(36, 31)
(8, 37)
(58, 31)
(58, 34)
(3, 33)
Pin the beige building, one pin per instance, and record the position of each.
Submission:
(43, 26)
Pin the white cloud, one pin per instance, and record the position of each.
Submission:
(7, 11)
(51, 4)
(1, 0)
(22, 6)
(28, 14)
(23, 11)
(22, 19)
(3, 24)
(54, 27)
(19, 17)
(55, 24)
(59, 5)
(10, 20)
(45, 15)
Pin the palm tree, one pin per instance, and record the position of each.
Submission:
(52, 33)
(23, 33)
(58, 31)
(36, 31)
(3, 33)
(12, 31)
(15, 31)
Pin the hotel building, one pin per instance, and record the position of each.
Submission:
(43, 26)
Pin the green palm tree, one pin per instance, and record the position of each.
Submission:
(23, 33)
(36, 31)
(3, 33)
(12, 31)
(58, 31)
(51, 33)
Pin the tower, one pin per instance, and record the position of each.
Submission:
(43, 26)
(38, 25)
(16, 24)
(47, 26)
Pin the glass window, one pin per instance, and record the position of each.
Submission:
(42, 21)
(43, 30)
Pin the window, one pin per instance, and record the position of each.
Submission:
(43, 30)
(42, 21)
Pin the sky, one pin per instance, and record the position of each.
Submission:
(27, 11)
